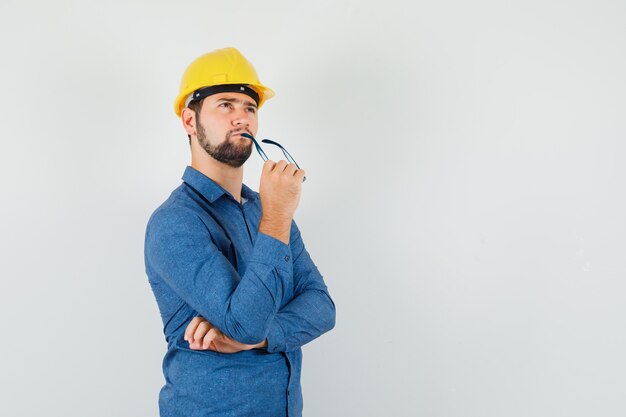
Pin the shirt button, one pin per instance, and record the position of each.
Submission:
(286, 258)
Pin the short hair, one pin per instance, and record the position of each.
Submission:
(195, 106)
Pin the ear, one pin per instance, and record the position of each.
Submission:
(188, 117)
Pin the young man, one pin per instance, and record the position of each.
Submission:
(237, 291)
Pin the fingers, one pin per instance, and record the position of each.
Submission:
(300, 174)
(201, 331)
(210, 337)
(268, 166)
(203, 335)
(290, 169)
(281, 166)
(196, 330)
(271, 166)
(191, 328)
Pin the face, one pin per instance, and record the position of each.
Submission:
(220, 122)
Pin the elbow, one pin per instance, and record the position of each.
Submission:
(248, 323)
(331, 322)
(331, 316)
(249, 334)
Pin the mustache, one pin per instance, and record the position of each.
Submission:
(236, 131)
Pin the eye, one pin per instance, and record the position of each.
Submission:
(251, 110)
(225, 104)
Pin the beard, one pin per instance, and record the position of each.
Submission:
(226, 152)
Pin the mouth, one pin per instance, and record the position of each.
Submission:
(241, 134)
(247, 135)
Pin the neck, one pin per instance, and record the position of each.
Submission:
(229, 178)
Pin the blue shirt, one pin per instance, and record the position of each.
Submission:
(205, 256)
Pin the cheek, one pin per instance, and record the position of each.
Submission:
(254, 123)
(216, 124)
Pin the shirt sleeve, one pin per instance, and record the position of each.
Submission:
(180, 250)
(310, 313)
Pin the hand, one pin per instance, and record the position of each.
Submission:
(202, 335)
(280, 189)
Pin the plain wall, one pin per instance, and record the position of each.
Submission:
(465, 197)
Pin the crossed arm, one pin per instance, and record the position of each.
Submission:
(202, 335)
(309, 314)
(246, 311)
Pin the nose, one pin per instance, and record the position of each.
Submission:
(241, 118)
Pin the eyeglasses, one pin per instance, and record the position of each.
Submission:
(271, 142)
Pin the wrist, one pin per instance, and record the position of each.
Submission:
(261, 345)
(279, 229)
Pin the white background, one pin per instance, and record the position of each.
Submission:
(465, 197)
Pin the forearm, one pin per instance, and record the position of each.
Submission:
(310, 313)
(277, 228)
(302, 320)
(180, 252)
(261, 345)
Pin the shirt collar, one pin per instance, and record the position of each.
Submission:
(209, 188)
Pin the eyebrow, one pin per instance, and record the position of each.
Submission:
(237, 100)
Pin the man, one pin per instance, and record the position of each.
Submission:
(237, 291)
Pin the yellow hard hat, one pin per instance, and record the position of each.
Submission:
(221, 67)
